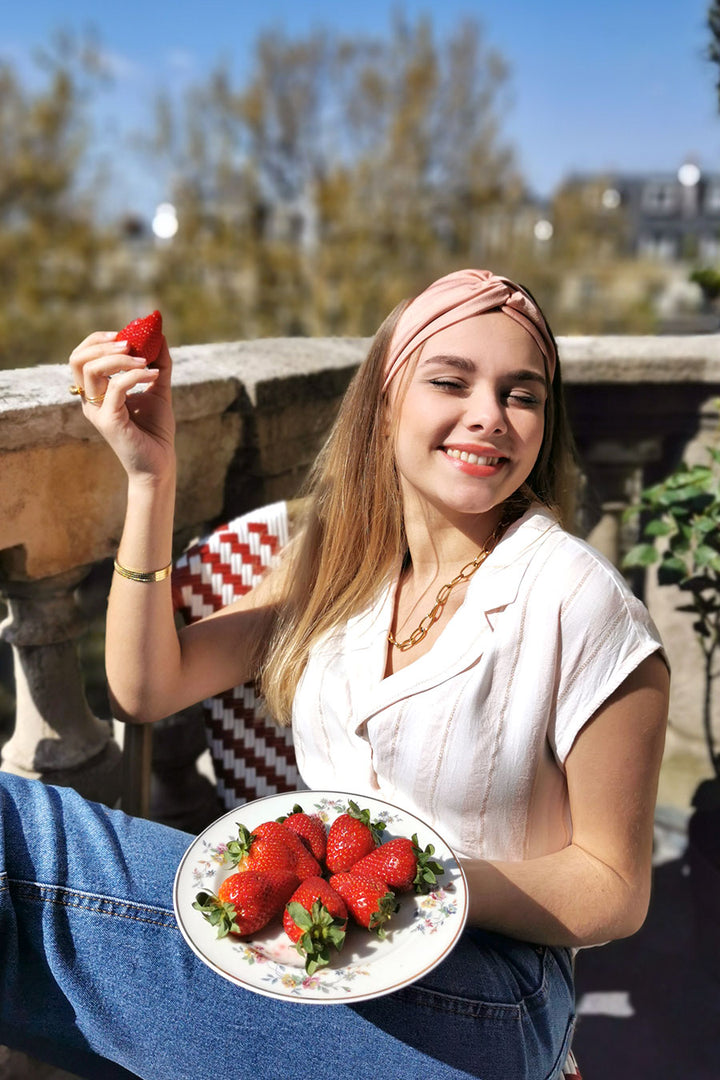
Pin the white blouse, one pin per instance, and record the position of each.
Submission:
(472, 737)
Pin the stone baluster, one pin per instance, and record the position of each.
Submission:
(56, 738)
(615, 475)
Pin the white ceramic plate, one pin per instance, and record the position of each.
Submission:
(419, 936)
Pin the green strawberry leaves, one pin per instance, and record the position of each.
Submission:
(376, 827)
(426, 878)
(321, 932)
(218, 913)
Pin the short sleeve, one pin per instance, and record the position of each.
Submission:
(604, 631)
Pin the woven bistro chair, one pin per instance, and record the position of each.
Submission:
(251, 755)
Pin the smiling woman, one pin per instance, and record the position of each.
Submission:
(438, 642)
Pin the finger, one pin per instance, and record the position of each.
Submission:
(84, 355)
(94, 374)
(113, 397)
(164, 365)
(98, 337)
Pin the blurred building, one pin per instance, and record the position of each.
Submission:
(670, 216)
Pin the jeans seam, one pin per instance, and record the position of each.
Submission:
(460, 1006)
(93, 903)
(538, 997)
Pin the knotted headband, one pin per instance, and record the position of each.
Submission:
(459, 296)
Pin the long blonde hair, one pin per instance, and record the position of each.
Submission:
(352, 533)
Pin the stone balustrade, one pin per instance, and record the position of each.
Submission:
(251, 416)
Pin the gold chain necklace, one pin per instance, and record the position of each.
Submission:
(444, 594)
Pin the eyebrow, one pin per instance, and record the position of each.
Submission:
(463, 364)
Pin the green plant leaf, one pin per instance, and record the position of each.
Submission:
(641, 555)
(659, 527)
(671, 571)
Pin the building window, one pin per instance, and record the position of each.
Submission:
(659, 198)
(712, 199)
(657, 246)
(709, 249)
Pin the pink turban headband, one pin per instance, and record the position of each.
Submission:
(459, 296)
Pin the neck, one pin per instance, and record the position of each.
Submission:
(439, 543)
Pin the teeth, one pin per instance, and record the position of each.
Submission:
(472, 459)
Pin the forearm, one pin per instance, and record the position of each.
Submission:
(567, 898)
(142, 653)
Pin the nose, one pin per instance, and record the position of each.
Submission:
(485, 412)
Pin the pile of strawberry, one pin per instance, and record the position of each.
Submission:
(315, 879)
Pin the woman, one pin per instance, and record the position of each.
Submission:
(438, 640)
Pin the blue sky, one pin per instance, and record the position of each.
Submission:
(620, 86)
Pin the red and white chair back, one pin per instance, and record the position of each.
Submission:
(570, 1068)
(252, 756)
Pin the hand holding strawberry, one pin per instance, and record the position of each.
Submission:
(110, 369)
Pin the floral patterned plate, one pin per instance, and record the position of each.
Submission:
(420, 935)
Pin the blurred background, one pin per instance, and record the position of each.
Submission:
(296, 169)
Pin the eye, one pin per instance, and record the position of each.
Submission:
(522, 398)
(446, 383)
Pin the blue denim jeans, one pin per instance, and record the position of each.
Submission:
(95, 976)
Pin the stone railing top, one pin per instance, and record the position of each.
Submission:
(36, 409)
(636, 359)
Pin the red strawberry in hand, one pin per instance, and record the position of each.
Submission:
(402, 865)
(315, 918)
(368, 899)
(144, 336)
(246, 901)
(351, 836)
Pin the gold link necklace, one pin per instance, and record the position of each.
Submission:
(444, 594)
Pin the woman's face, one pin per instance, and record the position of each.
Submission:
(471, 421)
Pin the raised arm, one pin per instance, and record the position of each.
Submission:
(597, 888)
(152, 671)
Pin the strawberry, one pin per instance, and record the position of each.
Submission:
(253, 851)
(402, 865)
(368, 899)
(273, 845)
(306, 865)
(144, 336)
(309, 828)
(351, 836)
(315, 918)
(246, 901)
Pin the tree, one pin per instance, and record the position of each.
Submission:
(50, 245)
(713, 22)
(341, 177)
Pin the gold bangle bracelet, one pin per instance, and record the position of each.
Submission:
(142, 575)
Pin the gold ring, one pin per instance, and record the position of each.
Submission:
(77, 390)
(94, 400)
